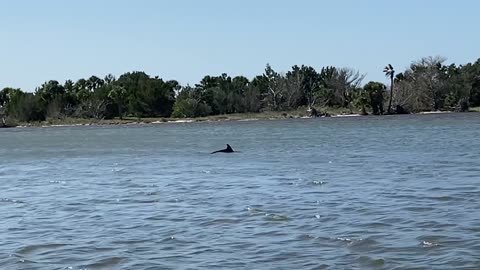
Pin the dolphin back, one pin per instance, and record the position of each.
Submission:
(226, 150)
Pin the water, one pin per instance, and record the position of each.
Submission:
(340, 193)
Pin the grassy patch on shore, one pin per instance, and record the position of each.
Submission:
(267, 115)
(76, 121)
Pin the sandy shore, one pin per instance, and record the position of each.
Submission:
(218, 118)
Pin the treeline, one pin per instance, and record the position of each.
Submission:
(428, 84)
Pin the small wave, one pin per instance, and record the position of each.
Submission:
(347, 240)
(428, 244)
(25, 261)
(364, 244)
(107, 263)
(301, 181)
(139, 201)
(358, 243)
(104, 249)
(419, 209)
(6, 200)
(446, 198)
(376, 224)
(175, 200)
(156, 217)
(306, 237)
(319, 183)
(268, 216)
(129, 242)
(371, 262)
(169, 238)
(220, 221)
(175, 241)
(36, 248)
(431, 240)
(276, 217)
(254, 210)
(57, 182)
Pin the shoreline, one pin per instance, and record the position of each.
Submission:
(74, 122)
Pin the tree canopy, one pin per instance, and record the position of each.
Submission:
(428, 84)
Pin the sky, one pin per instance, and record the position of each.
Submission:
(185, 40)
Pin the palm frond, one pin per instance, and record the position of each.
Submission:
(389, 71)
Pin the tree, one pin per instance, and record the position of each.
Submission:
(390, 73)
(3, 110)
(50, 90)
(348, 81)
(374, 92)
(8, 96)
(428, 74)
(3, 116)
(223, 93)
(109, 79)
(3, 96)
(189, 104)
(457, 88)
(311, 86)
(475, 92)
(148, 97)
(427, 84)
(327, 87)
(81, 92)
(239, 88)
(426, 80)
(119, 95)
(471, 73)
(94, 82)
(339, 86)
(24, 107)
(256, 97)
(361, 100)
(294, 84)
(52, 98)
(275, 87)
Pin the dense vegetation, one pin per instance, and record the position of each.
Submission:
(427, 85)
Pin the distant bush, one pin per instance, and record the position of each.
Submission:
(190, 108)
(26, 107)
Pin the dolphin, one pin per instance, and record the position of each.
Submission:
(226, 150)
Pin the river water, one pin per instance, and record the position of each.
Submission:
(398, 192)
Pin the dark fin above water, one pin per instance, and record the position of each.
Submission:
(226, 150)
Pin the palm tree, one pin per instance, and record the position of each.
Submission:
(390, 72)
(94, 82)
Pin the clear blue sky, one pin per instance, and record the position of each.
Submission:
(187, 39)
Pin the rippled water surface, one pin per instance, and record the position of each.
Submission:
(339, 193)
